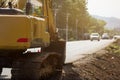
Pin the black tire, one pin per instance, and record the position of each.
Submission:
(57, 71)
(37, 69)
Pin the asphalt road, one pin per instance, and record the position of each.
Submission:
(78, 49)
(74, 51)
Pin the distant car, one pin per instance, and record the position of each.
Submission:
(116, 37)
(105, 36)
(95, 36)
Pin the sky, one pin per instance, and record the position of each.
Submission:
(105, 8)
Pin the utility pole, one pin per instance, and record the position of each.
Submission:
(76, 28)
(56, 8)
(55, 16)
(67, 18)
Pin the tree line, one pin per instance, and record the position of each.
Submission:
(73, 15)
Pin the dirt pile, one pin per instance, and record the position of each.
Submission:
(102, 65)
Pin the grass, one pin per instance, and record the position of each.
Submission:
(114, 48)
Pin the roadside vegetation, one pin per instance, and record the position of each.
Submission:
(114, 48)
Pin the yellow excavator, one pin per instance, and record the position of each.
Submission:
(30, 45)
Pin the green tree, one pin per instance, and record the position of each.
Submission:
(77, 12)
(96, 25)
(79, 20)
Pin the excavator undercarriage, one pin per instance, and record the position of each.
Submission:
(46, 65)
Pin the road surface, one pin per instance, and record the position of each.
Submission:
(78, 49)
(74, 51)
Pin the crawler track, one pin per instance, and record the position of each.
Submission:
(37, 68)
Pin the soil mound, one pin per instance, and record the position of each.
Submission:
(102, 65)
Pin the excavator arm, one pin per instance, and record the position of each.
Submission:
(48, 13)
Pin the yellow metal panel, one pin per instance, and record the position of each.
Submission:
(13, 28)
(39, 30)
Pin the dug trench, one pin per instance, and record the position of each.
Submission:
(102, 65)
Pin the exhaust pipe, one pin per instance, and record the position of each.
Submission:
(29, 7)
(10, 4)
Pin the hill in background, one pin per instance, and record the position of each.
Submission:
(111, 22)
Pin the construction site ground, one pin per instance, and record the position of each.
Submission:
(102, 65)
